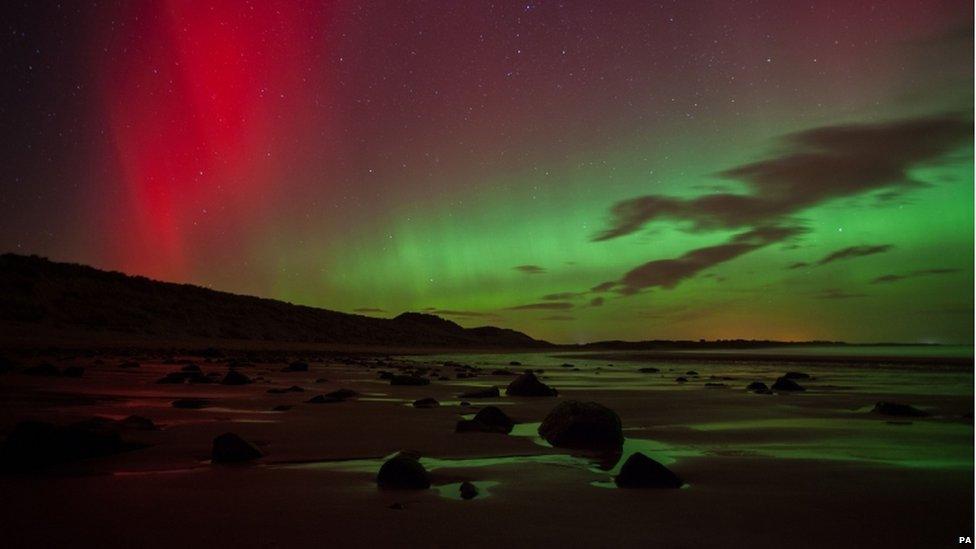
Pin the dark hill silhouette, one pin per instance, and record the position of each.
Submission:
(48, 300)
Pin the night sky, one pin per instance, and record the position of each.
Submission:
(576, 170)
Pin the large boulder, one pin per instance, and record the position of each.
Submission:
(488, 420)
(640, 471)
(468, 490)
(403, 472)
(898, 410)
(230, 448)
(586, 425)
(529, 385)
(786, 384)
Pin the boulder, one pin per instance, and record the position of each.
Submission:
(403, 472)
(230, 448)
(784, 384)
(490, 392)
(529, 385)
(640, 471)
(426, 403)
(234, 377)
(468, 490)
(587, 425)
(488, 420)
(648, 370)
(886, 408)
(514, 363)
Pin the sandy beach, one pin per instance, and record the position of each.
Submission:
(804, 469)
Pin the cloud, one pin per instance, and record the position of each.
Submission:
(837, 293)
(547, 306)
(604, 286)
(530, 269)
(368, 310)
(817, 166)
(451, 312)
(667, 273)
(812, 167)
(889, 278)
(596, 302)
(558, 317)
(561, 296)
(854, 251)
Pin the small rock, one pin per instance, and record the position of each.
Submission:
(234, 377)
(409, 380)
(488, 420)
(529, 385)
(640, 471)
(784, 384)
(681, 379)
(468, 490)
(138, 423)
(895, 409)
(426, 403)
(45, 369)
(296, 366)
(403, 472)
(230, 448)
(514, 363)
(758, 387)
(191, 403)
(648, 370)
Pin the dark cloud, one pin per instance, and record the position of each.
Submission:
(854, 251)
(888, 278)
(548, 306)
(667, 273)
(604, 286)
(921, 272)
(368, 310)
(561, 296)
(818, 165)
(451, 312)
(837, 293)
(557, 317)
(596, 302)
(530, 269)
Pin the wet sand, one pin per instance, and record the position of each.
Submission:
(812, 469)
